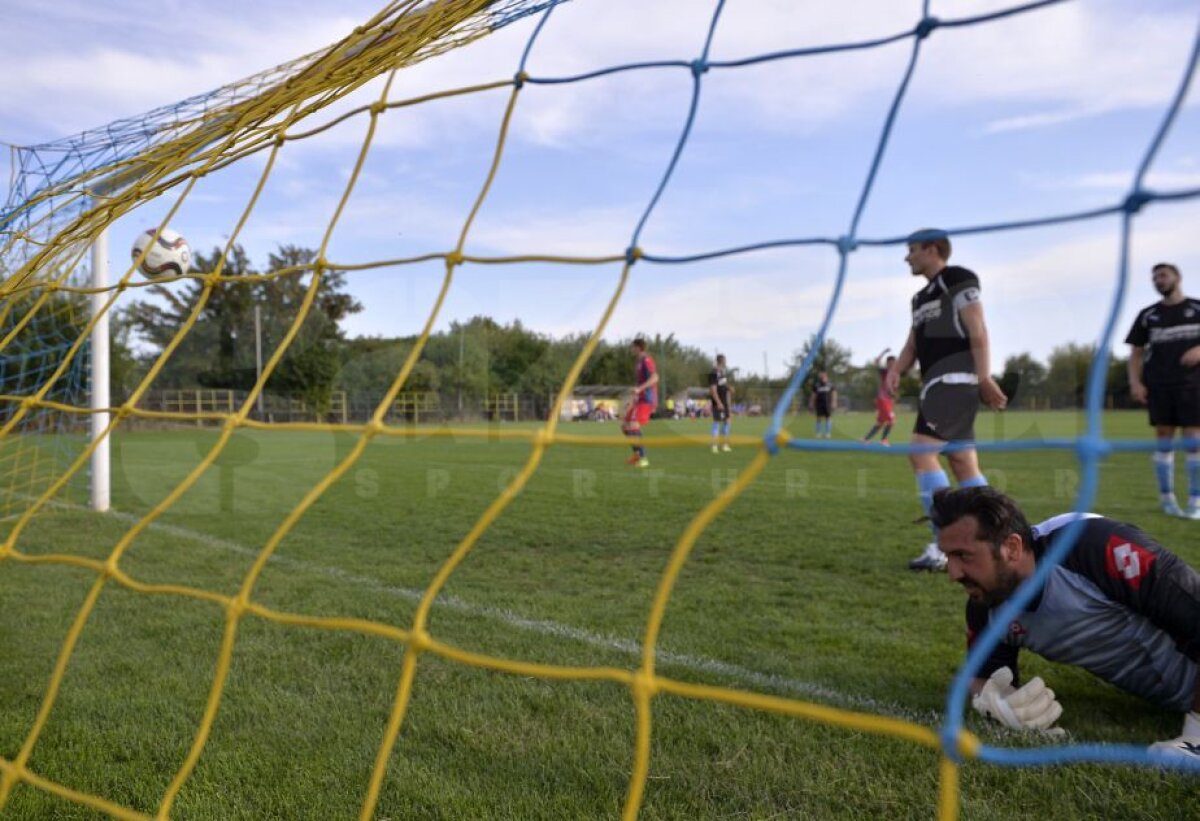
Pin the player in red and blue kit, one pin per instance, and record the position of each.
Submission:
(643, 401)
(885, 413)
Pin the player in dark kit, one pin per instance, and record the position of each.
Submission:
(949, 340)
(885, 413)
(822, 402)
(720, 393)
(1120, 606)
(642, 401)
(1164, 372)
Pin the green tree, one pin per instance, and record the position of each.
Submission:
(832, 357)
(1066, 379)
(1023, 380)
(219, 349)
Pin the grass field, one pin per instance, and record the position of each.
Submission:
(799, 589)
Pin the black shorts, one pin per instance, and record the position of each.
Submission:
(1175, 405)
(947, 412)
(720, 414)
(821, 409)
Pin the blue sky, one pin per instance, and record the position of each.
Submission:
(1044, 113)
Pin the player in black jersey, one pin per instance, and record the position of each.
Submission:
(1164, 372)
(1119, 605)
(821, 402)
(949, 340)
(720, 393)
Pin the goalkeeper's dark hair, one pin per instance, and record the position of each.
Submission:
(997, 515)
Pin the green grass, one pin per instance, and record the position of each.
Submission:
(799, 589)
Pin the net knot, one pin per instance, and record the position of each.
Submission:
(846, 244)
(236, 607)
(1136, 199)
(644, 684)
(926, 27)
(1089, 447)
(519, 79)
(774, 442)
(632, 254)
(699, 66)
(454, 259)
(378, 107)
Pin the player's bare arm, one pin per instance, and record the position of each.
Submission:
(902, 365)
(1137, 388)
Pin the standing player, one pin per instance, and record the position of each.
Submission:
(1164, 371)
(949, 340)
(885, 413)
(721, 393)
(1120, 606)
(822, 402)
(642, 401)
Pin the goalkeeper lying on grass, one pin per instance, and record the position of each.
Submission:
(1120, 606)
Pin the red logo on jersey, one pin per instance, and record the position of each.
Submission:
(1016, 628)
(1126, 560)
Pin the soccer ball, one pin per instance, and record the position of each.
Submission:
(170, 256)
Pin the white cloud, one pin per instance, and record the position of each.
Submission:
(1119, 181)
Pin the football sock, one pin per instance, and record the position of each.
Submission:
(872, 431)
(928, 482)
(974, 481)
(715, 427)
(1164, 468)
(725, 428)
(886, 432)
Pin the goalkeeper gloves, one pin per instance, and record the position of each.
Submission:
(1031, 707)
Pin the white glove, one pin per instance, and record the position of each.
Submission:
(1184, 747)
(1032, 707)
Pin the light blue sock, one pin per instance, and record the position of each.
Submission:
(725, 428)
(1164, 468)
(928, 482)
(715, 427)
(829, 427)
(974, 481)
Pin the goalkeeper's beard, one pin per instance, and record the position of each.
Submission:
(1007, 581)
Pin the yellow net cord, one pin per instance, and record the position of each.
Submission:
(400, 35)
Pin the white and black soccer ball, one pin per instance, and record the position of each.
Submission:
(169, 256)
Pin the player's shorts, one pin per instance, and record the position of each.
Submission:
(720, 414)
(885, 414)
(947, 412)
(639, 412)
(1175, 405)
(821, 409)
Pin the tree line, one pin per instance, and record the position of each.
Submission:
(471, 360)
(1059, 382)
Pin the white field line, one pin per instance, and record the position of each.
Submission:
(770, 682)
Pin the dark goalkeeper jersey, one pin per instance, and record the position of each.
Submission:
(1165, 332)
(822, 393)
(943, 344)
(1120, 606)
(718, 378)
